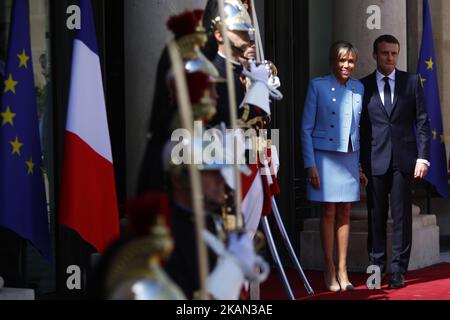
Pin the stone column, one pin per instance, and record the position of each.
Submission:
(350, 23)
(39, 23)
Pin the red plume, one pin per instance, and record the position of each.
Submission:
(198, 82)
(183, 24)
(143, 211)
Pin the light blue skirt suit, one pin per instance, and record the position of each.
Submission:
(330, 138)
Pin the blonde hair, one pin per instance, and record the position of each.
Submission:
(340, 49)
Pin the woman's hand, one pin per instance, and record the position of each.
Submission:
(363, 178)
(313, 177)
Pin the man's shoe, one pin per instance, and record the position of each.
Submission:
(397, 281)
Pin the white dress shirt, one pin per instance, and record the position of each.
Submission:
(236, 63)
(381, 84)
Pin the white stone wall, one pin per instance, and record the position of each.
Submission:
(145, 36)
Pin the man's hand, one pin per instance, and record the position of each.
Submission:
(241, 246)
(313, 177)
(257, 73)
(421, 170)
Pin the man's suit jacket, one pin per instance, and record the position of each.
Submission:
(393, 135)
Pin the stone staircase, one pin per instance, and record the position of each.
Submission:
(424, 251)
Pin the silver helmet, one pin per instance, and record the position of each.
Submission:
(237, 18)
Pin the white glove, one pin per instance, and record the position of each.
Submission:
(234, 265)
(226, 280)
(257, 73)
(258, 92)
(241, 246)
(262, 86)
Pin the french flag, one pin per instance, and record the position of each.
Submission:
(88, 201)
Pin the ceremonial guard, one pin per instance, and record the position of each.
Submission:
(254, 83)
(136, 273)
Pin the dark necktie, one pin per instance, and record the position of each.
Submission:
(387, 95)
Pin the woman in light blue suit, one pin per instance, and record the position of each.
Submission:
(330, 145)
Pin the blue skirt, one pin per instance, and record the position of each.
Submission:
(339, 177)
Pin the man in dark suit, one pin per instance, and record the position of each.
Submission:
(391, 156)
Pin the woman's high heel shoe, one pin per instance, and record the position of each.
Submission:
(348, 287)
(329, 286)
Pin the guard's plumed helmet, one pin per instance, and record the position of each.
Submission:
(237, 17)
(190, 36)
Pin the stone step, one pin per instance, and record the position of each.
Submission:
(424, 251)
(359, 211)
(360, 225)
(16, 294)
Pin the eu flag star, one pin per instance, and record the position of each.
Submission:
(422, 80)
(8, 117)
(23, 59)
(16, 145)
(10, 84)
(430, 64)
(434, 134)
(30, 166)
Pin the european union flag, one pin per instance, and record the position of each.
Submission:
(427, 69)
(23, 206)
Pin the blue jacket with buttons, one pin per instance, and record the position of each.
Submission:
(331, 117)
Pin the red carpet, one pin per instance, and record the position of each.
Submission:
(431, 283)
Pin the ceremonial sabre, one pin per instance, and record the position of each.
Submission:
(233, 117)
(184, 105)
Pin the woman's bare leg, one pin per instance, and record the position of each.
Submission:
(342, 236)
(327, 220)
